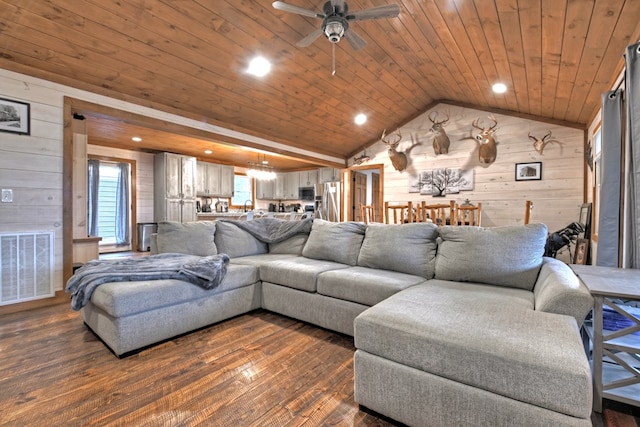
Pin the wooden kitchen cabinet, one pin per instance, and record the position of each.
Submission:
(265, 190)
(329, 175)
(174, 187)
(215, 180)
(308, 178)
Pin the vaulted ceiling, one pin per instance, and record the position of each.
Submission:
(189, 57)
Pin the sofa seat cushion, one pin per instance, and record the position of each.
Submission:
(298, 273)
(363, 285)
(507, 256)
(487, 337)
(406, 248)
(121, 299)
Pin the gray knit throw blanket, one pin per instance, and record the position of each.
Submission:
(206, 272)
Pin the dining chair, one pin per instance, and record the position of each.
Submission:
(439, 212)
(420, 212)
(468, 215)
(367, 214)
(398, 214)
(528, 207)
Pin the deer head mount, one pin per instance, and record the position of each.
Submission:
(488, 151)
(440, 139)
(540, 143)
(398, 158)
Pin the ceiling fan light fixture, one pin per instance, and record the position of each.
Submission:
(334, 29)
(259, 66)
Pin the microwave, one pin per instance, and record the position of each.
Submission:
(306, 193)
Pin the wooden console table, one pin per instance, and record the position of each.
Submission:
(613, 287)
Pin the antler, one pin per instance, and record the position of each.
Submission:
(495, 122)
(533, 138)
(475, 124)
(398, 137)
(433, 120)
(544, 138)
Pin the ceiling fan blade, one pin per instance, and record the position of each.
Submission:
(354, 39)
(285, 7)
(310, 38)
(388, 11)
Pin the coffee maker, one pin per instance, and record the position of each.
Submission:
(280, 207)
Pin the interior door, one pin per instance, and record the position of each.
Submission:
(375, 197)
(359, 192)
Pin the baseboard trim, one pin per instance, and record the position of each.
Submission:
(59, 298)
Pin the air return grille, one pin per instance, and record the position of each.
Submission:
(26, 266)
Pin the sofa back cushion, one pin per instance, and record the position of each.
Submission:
(235, 242)
(504, 256)
(405, 248)
(335, 241)
(194, 238)
(293, 245)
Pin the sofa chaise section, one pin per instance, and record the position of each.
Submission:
(128, 316)
(487, 342)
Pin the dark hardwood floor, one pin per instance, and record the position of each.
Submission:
(260, 369)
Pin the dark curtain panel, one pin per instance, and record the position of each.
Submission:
(122, 205)
(92, 197)
(610, 189)
(632, 211)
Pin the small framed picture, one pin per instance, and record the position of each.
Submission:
(582, 250)
(528, 171)
(14, 117)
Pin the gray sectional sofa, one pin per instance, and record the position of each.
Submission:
(457, 326)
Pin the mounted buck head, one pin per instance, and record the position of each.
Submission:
(488, 151)
(398, 158)
(540, 143)
(440, 139)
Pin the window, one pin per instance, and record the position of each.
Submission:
(242, 191)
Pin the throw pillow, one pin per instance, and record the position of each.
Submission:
(194, 238)
(335, 241)
(505, 256)
(406, 248)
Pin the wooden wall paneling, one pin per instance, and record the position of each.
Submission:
(530, 17)
(578, 15)
(460, 44)
(553, 18)
(602, 23)
(560, 189)
(80, 176)
(509, 19)
(488, 15)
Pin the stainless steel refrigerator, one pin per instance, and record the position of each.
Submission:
(327, 201)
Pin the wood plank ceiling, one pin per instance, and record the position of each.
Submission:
(189, 57)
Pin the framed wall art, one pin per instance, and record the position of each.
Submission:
(15, 117)
(528, 171)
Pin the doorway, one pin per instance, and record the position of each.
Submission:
(111, 197)
(364, 187)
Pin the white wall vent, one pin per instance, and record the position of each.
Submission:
(26, 266)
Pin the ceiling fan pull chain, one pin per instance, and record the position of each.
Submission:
(333, 59)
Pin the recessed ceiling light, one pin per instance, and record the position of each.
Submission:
(259, 66)
(499, 88)
(136, 139)
(360, 119)
(208, 151)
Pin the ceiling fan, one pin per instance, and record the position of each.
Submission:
(335, 21)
